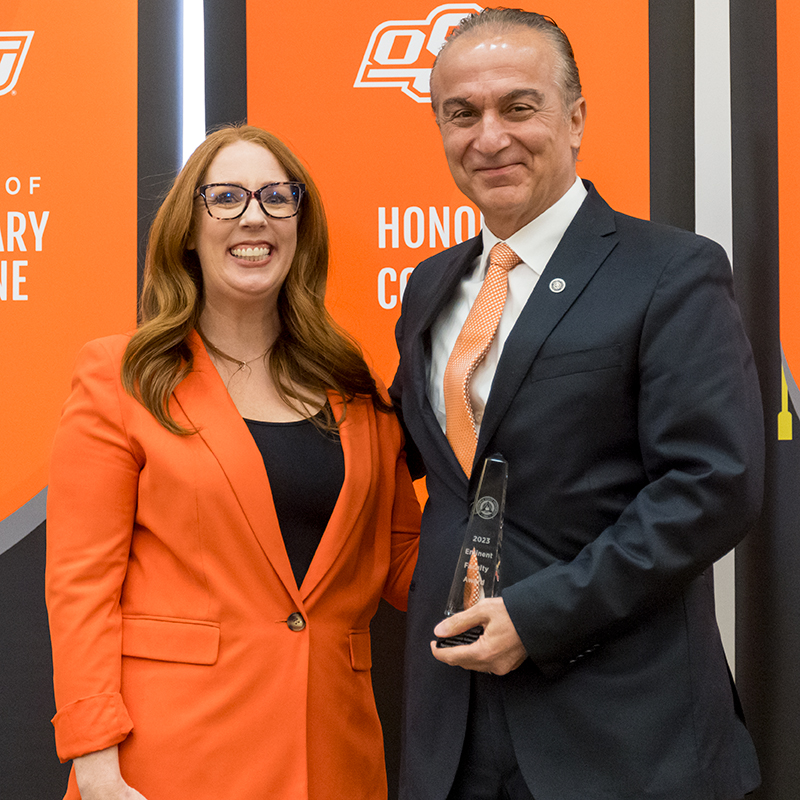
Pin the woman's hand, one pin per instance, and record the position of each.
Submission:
(99, 778)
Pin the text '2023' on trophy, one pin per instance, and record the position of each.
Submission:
(478, 570)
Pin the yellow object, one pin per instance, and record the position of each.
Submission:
(784, 416)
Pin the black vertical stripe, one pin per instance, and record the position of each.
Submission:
(159, 148)
(226, 61)
(768, 561)
(29, 766)
(672, 112)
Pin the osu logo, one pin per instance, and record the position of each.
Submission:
(400, 53)
(13, 49)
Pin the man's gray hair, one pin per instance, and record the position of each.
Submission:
(502, 20)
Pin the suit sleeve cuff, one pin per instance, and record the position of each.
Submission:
(91, 724)
(552, 657)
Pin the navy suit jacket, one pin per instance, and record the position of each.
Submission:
(627, 406)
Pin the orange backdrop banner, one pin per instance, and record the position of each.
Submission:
(67, 211)
(350, 96)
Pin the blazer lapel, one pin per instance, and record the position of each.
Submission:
(360, 462)
(208, 407)
(587, 242)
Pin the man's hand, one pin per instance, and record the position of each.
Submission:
(499, 650)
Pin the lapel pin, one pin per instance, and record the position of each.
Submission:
(557, 285)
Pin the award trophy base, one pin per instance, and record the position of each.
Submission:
(466, 637)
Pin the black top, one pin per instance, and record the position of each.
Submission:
(305, 467)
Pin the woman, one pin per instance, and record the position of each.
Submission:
(210, 616)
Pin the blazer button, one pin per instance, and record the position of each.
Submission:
(296, 622)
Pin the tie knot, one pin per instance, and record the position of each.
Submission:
(502, 255)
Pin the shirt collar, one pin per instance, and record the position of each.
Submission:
(536, 241)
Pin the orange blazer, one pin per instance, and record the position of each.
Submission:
(178, 629)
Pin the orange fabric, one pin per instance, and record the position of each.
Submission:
(169, 589)
(470, 348)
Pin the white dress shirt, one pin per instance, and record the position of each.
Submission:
(534, 244)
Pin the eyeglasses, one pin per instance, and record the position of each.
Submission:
(229, 200)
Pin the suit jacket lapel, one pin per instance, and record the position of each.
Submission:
(587, 242)
(207, 405)
(441, 293)
(461, 258)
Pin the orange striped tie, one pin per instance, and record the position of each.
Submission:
(473, 586)
(471, 346)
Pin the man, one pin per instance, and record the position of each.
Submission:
(620, 388)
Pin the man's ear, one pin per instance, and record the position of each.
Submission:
(577, 119)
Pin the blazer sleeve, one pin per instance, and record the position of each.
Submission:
(405, 513)
(91, 506)
(701, 436)
(406, 519)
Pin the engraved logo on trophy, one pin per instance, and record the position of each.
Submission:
(487, 508)
(477, 573)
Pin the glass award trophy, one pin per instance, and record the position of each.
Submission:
(478, 570)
